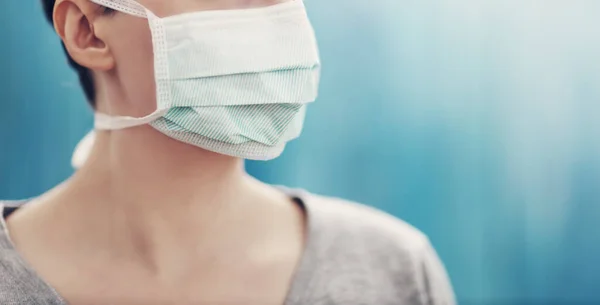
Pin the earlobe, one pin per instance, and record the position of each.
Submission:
(73, 21)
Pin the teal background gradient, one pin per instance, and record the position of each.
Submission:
(476, 121)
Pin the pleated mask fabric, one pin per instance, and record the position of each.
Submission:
(236, 82)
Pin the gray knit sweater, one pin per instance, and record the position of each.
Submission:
(355, 255)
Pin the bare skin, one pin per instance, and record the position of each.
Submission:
(148, 219)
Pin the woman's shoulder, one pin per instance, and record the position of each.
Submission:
(18, 283)
(9, 259)
(361, 244)
(362, 223)
(12, 273)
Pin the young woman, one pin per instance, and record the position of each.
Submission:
(162, 211)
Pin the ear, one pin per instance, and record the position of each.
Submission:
(74, 23)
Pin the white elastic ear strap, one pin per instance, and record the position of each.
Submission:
(107, 122)
(130, 7)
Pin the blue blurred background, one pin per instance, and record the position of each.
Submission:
(476, 121)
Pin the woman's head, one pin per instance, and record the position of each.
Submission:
(230, 76)
(107, 47)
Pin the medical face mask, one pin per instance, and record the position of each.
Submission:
(236, 82)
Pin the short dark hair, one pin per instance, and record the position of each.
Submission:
(85, 75)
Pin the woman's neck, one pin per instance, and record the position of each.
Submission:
(142, 165)
(151, 204)
(167, 199)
